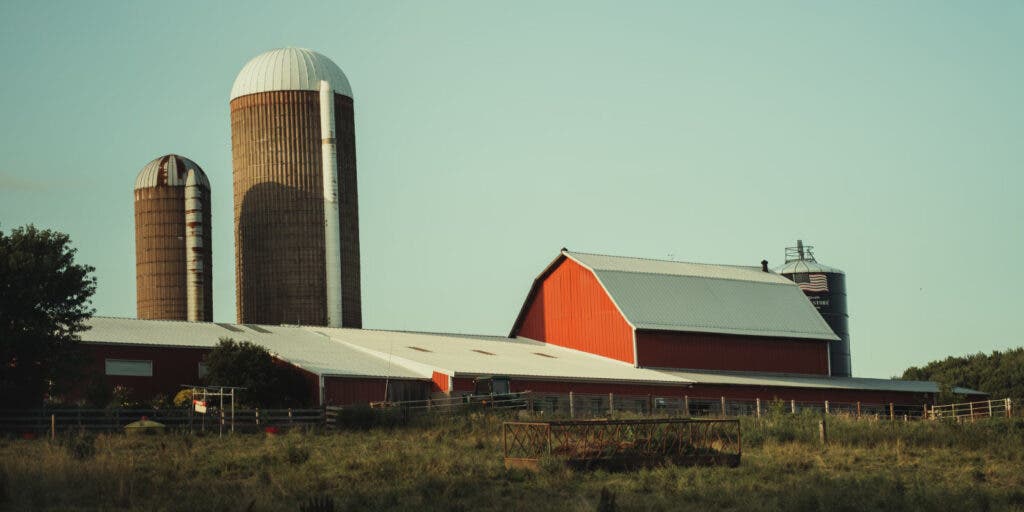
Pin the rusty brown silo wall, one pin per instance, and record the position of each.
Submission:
(279, 217)
(160, 253)
(160, 266)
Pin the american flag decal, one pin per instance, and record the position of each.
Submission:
(816, 283)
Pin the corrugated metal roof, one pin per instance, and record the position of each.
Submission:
(289, 69)
(675, 268)
(170, 171)
(484, 355)
(801, 381)
(306, 349)
(693, 297)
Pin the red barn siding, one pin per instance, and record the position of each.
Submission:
(441, 383)
(725, 352)
(463, 385)
(571, 309)
(348, 391)
(768, 393)
(601, 388)
(172, 367)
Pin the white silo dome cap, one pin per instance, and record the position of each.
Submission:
(171, 171)
(289, 69)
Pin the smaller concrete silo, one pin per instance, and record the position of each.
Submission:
(173, 261)
(825, 287)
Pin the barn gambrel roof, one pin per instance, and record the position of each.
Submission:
(695, 297)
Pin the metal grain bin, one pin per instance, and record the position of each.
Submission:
(826, 288)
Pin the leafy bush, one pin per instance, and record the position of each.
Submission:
(267, 383)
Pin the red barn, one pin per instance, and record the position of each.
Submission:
(153, 357)
(667, 314)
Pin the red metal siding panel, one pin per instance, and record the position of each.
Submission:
(571, 309)
(725, 352)
(172, 367)
(348, 391)
(765, 393)
(463, 385)
(768, 393)
(550, 386)
(440, 382)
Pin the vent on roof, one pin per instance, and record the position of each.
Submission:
(231, 327)
(420, 349)
(483, 352)
(545, 355)
(258, 329)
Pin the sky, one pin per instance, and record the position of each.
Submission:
(491, 134)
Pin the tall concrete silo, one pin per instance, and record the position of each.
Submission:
(173, 260)
(292, 139)
(825, 287)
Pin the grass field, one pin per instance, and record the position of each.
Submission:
(456, 464)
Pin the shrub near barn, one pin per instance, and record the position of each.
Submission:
(250, 366)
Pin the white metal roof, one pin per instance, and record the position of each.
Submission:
(289, 69)
(170, 171)
(694, 297)
(463, 355)
(301, 347)
(805, 381)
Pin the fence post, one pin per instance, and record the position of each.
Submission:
(924, 412)
(723, 406)
(572, 406)
(826, 406)
(1009, 408)
(823, 431)
(611, 403)
(529, 403)
(257, 418)
(792, 406)
(990, 408)
(892, 411)
(53, 427)
(858, 410)
(970, 405)
(758, 402)
(290, 416)
(650, 405)
(686, 404)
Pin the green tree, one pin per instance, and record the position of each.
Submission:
(1001, 374)
(44, 303)
(244, 364)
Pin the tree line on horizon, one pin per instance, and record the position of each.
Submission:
(1000, 374)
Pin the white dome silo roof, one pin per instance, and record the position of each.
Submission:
(170, 171)
(289, 69)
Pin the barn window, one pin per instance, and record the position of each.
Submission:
(129, 367)
(203, 370)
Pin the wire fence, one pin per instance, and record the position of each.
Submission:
(542, 406)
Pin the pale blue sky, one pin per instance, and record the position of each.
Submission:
(489, 135)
